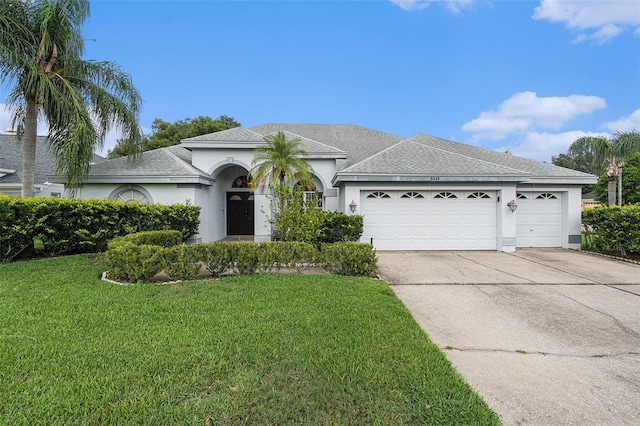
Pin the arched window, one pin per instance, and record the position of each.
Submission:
(240, 182)
(131, 194)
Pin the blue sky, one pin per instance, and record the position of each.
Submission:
(530, 76)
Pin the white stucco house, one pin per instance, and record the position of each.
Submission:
(420, 193)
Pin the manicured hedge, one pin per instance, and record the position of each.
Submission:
(50, 226)
(613, 229)
(131, 260)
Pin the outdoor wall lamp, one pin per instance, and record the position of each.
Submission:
(512, 205)
(352, 206)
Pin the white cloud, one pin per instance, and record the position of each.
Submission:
(632, 121)
(525, 111)
(454, 6)
(542, 146)
(599, 20)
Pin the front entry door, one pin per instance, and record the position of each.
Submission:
(239, 213)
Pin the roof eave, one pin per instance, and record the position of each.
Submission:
(373, 177)
(143, 179)
(572, 180)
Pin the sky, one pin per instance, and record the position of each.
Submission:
(525, 76)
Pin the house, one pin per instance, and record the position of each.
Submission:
(420, 193)
(45, 167)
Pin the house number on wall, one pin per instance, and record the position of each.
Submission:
(435, 178)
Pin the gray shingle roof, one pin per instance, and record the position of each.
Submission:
(11, 158)
(357, 141)
(237, 134)
(410, 157)
(171, 161)
(535, 168)
(311, 146)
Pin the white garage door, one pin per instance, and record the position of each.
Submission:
(539, 220)
(430, 220)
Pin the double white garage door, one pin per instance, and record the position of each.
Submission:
(455, 220)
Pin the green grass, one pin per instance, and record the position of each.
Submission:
(313, 349)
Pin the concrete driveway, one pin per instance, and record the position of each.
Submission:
(546, 336)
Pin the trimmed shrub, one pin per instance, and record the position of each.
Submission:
(217, 257)
(133, 263)
(183, 262)
(613, 229)
(281, 254)
(338, 227)
(349, 258)
(245, 257)
(53, 226)
(155, 238)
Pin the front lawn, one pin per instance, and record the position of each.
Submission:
(271, 349)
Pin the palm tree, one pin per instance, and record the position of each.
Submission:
(280, 162)
(41, 51)
(610, 153)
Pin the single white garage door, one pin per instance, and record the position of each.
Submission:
(539, 219)
(430, 220)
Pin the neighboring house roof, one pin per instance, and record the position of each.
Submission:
(11, 159)
(163, 165)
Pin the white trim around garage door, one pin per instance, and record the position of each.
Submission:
(430, 220)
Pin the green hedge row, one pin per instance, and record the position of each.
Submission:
(52, 226)
(613, 229)
(131, 261)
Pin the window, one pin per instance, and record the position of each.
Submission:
(546, 196)
(445, 195)
(132, 196)
(520, 196)
(412, 194)
(378, 194)
(240, 182)
(483, 195)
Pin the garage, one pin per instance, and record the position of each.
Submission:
(539, 219)
(430, 220)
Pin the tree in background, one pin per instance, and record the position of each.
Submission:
(630, 184)
(168, 134)
(610, 154)
(581, 158)
(41, 49)
(280, 162)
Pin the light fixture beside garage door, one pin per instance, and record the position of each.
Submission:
(352, 206)
(512, 205)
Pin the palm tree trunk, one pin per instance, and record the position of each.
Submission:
(29, 150)
(611, 191)
(620, 186)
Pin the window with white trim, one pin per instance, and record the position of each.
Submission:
(478, 194)
(445, 195)
(412, 194)
(378, 194)
(131, 196)
(546, 196)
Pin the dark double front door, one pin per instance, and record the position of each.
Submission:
(239, 213)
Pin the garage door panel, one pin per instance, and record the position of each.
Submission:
(434, 220)
(539, 220)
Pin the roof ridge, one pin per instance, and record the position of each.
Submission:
(309, 139)
(460, 155)
(374, 155)
(183, 164)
